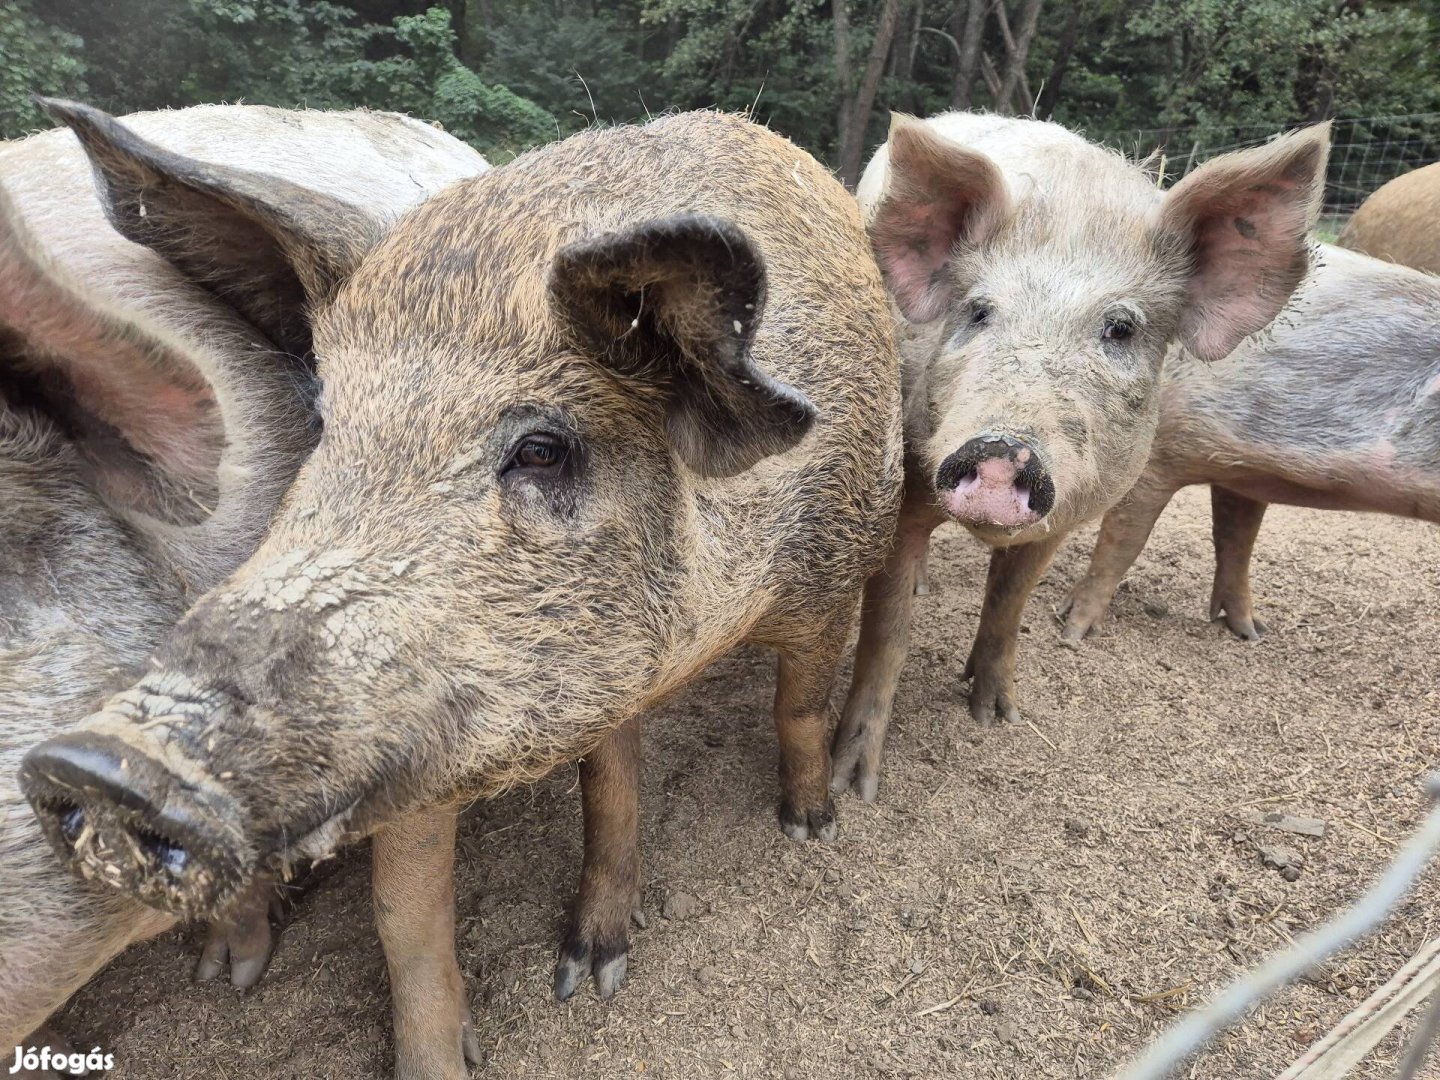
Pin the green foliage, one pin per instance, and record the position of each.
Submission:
(35, 58)
(274, 52)
(506, 74)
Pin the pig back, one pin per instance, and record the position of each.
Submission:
(1347, 376)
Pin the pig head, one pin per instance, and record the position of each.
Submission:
(1051, 276)
(156, 398)
(559, 473)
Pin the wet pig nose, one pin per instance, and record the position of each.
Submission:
(995, 480)
(117, 816)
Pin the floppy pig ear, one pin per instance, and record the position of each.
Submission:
(675, 302)
(937, 194)
(1245, 218)
(270, 248)
(140, 413)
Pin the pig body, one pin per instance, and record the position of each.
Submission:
(1335, 407)
(590, 421)
(150, 418)
(1044, 278)
(1400, 221)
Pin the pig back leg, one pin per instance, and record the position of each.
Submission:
(1014, 572)
(879, 658)
(1234, 525)
(413, 878)
(598, 941)
(805, 677)
(1123, 535)
(922, 573)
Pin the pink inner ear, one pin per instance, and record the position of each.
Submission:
(1248, 215)
(155, 398)
(912, 243)
(938, 193)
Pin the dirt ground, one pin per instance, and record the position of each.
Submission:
(1027, 901)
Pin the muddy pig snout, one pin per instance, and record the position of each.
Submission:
(995, 480)
(119, 817)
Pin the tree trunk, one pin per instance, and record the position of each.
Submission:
(1018, 48)
(968, 30)
(1064, 50)
(844, 74)
(853, 146)
(903, 66)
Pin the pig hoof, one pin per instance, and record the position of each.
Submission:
(857, 777)
(579, 959)
(58, 1046)
(245, 938)
(469, 1043)
(816, 824)
(988, 708)
(1246, 629)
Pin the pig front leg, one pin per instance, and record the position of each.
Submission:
(1235, 525)
(243, 938)
(598, 941)
(1123, 535)
(879, 658)
(1014, 572)
(413, 879)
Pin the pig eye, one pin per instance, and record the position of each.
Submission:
(1116, 330)
(538, 454)
(979, 314)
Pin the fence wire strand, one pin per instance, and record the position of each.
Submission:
(1365, 152)
(1181, 1041)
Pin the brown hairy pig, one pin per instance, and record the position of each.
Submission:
(1336, 406)
(1046, 276)
(156, 398)
(589, 422)
(1400, 221)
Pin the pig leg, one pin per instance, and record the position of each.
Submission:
(802, 721)
(1123, 535)
(1014, 572)
(1234, 524)
(879, 658)
(243, 938)
(414, 888)
(922, 573)
(598, 941)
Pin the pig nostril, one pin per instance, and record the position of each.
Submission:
(72, 821)
(168, 854)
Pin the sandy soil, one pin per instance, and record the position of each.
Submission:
(1028, 901)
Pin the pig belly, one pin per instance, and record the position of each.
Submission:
(1376, 494)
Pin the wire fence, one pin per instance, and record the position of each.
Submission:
(1336, 1055)
(1365, 152)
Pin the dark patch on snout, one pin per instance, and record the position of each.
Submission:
(963, 463)
(1246, 228)
(119, 817)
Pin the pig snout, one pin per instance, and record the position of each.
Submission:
(995, 480)
(118, 816)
